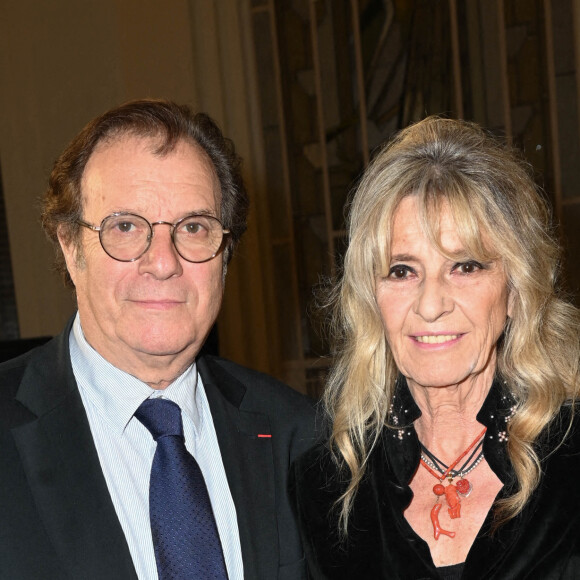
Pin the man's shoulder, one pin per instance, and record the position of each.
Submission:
(33, 380)
(12, 412)
(11, 372)
(291, 416)
(258, 385)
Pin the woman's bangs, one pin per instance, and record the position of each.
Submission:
(469, 220)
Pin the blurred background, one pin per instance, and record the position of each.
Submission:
(306, 89)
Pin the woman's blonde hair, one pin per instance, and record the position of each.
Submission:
(488, 189)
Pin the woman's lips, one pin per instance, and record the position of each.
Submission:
(436, 340)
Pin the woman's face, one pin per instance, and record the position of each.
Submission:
(442, 317)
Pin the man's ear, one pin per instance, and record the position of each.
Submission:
(70, 250)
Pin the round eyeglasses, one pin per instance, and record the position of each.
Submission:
(126, 236)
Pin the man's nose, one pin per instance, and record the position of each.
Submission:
(161, 260)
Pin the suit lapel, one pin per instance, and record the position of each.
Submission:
(246, 450)
(63, 470)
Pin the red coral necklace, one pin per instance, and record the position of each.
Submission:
(452, 492)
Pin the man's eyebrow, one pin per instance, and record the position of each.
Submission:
(123, 210)
(208, 212)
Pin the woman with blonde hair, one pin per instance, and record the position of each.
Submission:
(453, 448)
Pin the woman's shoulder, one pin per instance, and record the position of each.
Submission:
(559, 444)
(564, 429)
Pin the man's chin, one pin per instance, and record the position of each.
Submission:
(158, 345)
(163, 349)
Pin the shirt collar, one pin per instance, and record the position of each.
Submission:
(116, 394)
(402, 444)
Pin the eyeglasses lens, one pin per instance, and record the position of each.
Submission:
(125, 237)
(198, 238)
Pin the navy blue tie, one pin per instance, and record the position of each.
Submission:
(185, 537)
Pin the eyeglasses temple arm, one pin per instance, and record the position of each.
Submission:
(90, 226)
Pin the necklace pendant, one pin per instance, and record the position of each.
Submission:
(453, 501)
(439, 489)
(437, 529)
(464, 487)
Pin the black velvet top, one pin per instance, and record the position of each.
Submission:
(542, 542)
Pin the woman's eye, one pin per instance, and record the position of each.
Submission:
(399, 272)
(468, 267)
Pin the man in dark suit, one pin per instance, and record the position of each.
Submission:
(145, 207)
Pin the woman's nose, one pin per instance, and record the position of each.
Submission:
(434, 299)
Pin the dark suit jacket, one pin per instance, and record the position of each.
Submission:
(57, 520)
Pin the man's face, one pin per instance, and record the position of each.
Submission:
(154, 312)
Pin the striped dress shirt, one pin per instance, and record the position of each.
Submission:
(126, 448)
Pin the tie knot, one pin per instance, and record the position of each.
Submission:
(161, 417)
